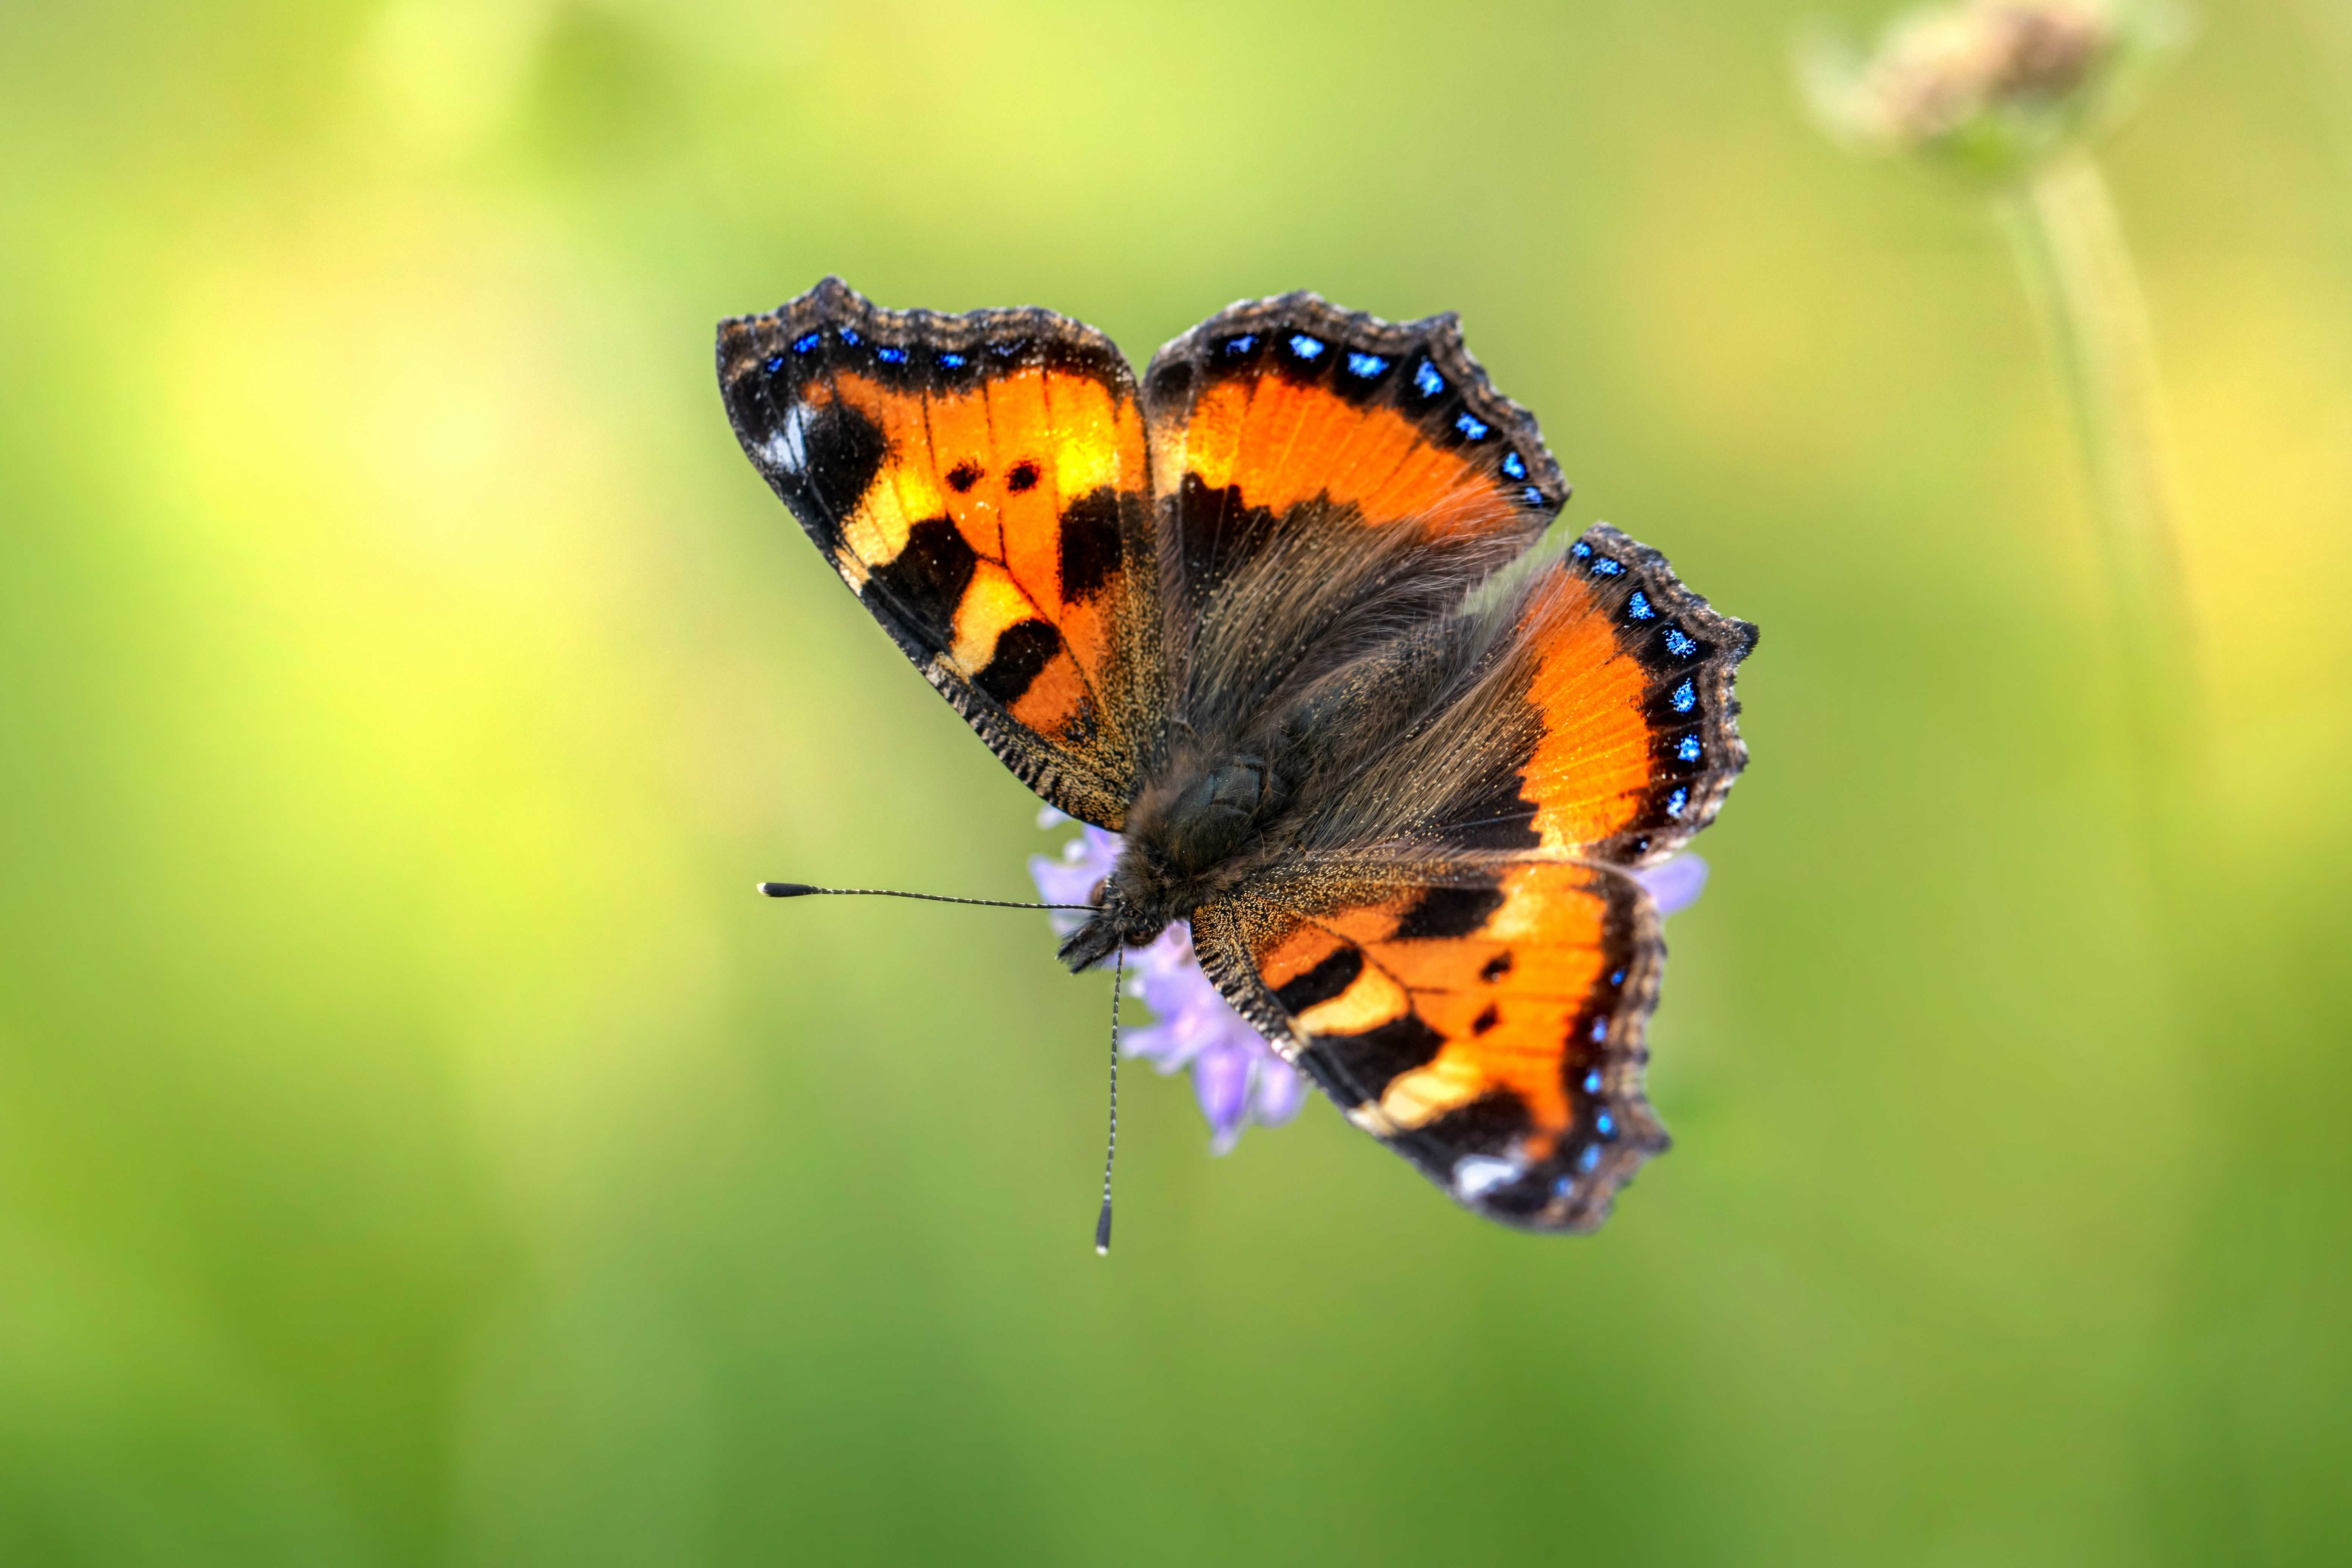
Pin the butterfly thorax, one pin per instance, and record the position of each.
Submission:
(1189, 839)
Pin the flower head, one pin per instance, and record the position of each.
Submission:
(1991, 86)
(1238, 1078)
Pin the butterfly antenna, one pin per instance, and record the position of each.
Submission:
(802, 890)
(1110, 1148)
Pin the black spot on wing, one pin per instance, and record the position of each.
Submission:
(1171, 383)
(1489, 1124)
(1217, 533)
(1322, 983)
(1496, 967)
(841, 450)
(1090, 543)
(926, 580)
(1023, 650)
(1371, 1060)
(1442, 912)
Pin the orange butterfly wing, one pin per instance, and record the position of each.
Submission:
(1485, 1022)
(1474, 992)
(980, 482)
(1628, 739)
(1275, 413)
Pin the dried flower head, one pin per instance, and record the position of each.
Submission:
(1237, 1077)
(1992, 87)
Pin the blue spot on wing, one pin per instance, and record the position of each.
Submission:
(1588, 1158)
(775, 363)
(1639, 607)
(1676, 802)
(1471, 425)
(1599, 1030)
(1678, 645)
(1533, 497)
(806, 342)
(952, 361)
(1603, 567)
(1366, 365)
(1688, 750)
(849, 335)
(1685, 697)
(1579, 550)
(1605, 1124)
(1426, 378)
(1593, 1082)
(1241, 345)
(891, 356)
(1305, 347)
(1513, 466)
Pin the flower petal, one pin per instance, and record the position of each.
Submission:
(1677, 884)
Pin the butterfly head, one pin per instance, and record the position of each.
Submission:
(1182, 841)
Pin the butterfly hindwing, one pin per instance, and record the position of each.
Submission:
(1485, 1021)
(980, 482)
(1601, 725)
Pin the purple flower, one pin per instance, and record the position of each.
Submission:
(1236, 1076)
(1677, 884)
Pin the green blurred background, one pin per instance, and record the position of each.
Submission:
(417, 1145)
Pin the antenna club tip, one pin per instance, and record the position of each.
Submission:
(787, 889)
(1102, 1251)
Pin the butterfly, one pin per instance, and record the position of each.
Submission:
(1285, 617)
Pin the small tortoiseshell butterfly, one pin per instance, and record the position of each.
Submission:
(1280, 617)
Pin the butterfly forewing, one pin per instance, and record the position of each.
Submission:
(1279, 411)
(980, 482)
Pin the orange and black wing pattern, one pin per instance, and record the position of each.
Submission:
(1484, 1022)
(1621, 736)
(981, 482)
(1475, 990)
(1288, 412)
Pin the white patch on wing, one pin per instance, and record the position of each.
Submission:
(1476, 1175)
(788, 448)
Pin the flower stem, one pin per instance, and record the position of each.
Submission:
(2079, 272)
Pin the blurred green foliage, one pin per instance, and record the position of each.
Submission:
(418, 1145)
